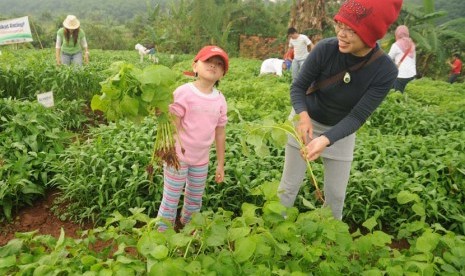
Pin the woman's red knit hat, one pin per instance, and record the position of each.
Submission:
(370, 19)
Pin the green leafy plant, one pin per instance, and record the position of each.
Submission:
(135, 93)
(30, 137)
(258, 241)
(259, 133)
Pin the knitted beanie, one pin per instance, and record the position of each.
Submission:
(370, 19)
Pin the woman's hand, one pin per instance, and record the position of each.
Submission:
(304, 127)
(312, 150)
(86, 57)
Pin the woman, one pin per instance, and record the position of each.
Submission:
(71, 43)
(330, 116)
(403, 54)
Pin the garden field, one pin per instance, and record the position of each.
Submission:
(70, 167)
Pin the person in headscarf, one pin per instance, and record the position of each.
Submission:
(403, 54)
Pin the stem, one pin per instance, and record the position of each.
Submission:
(198, 252)
(187, 248)
(301, 145)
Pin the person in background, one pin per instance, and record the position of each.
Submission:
(274, 66)
(71, 43)
(147, 50)
(301, 45)
(455, 67)
(403, 54)
(200, 118)
(289, 55)
(152, 51)
(330, 116)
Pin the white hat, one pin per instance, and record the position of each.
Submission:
(71, 22)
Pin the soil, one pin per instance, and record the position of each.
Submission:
(41, 218)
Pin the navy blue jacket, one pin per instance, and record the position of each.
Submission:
(343, 106)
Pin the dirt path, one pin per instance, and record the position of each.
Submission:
(39, 217)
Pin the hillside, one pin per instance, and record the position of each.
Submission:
(454, 8)
(123, 10)
(117, 10)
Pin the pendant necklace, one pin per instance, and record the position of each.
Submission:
(346, 78)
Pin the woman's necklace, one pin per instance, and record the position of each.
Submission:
(347, 77)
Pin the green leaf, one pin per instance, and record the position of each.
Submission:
(110, 91)
(88, 260)
(419, 209)
(99, 103)
(61, 239)
(168, 267)
(148, 92)
(179, 240)
(427, 242)
(8, 261)
(146, 244)
(381, 239)
(248, 210)
(395, 270)
(160, 252)
(236, 233)
(371, 222)
(194, 268)
(216, 235)
(307, 203)
(404, 197)
(279, 136)
(162, 98)
(244, 249)
(255, 139)
(262, 151)
(157, 75)
(130, 106)
(274, 207)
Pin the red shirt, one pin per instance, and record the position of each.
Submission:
(457, 67)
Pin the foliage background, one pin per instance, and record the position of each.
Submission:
(183, 26)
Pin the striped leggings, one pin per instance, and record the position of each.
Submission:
(193, 178)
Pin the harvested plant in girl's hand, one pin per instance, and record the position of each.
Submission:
(134, 93)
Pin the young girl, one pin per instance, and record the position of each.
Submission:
(200, 112)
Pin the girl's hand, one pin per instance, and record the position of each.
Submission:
(219, 175)
(313, 149)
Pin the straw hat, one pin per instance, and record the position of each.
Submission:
(71, 22)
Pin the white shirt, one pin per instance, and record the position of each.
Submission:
(300, 46)
(272, 66)
(407, 68)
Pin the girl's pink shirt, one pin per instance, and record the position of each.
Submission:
(199, 115)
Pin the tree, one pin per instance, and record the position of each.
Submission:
(309, 17)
